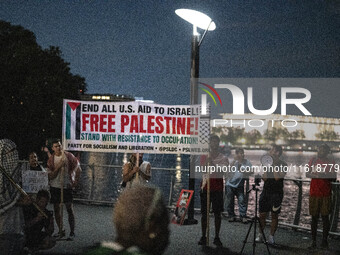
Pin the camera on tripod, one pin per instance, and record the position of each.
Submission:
(257, 180)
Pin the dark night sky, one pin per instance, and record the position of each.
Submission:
(142, 48)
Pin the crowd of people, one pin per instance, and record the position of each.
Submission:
(27, 224)
(272, 193)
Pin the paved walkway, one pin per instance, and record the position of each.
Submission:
(94, 224)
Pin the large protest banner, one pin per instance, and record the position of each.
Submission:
(100, 126)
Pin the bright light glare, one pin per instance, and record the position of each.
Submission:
(196, 18)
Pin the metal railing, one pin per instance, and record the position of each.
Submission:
(334, 216)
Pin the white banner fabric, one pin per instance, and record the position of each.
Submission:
(100, 126)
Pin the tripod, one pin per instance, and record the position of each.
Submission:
(254, 221)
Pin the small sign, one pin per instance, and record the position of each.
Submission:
(182, 206)
(33, 181)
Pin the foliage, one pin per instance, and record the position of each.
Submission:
(327, 135)
(33, 84)
(297, 135)
(275, 134)
(253, 137)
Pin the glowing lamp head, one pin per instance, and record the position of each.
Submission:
(197, 19)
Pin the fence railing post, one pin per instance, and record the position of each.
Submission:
(299, 203)
(171, 190)
(335, 209)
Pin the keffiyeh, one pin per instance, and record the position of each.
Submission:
(8, 162)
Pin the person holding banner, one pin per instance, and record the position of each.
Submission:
(136, 171)
(11, 201)
(215, 190)
(64, 172)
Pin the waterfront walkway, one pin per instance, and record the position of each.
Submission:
(94, 224)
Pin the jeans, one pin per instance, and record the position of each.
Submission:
(239, 193)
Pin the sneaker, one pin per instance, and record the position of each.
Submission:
(271, 240)
(313, 246)
(324, 244)
(231, 219)
(259, 238)
(202, 241)
(59, 235)
(71, 237)
(217, 241)
(244, 220)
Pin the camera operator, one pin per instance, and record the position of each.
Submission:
(272, 193)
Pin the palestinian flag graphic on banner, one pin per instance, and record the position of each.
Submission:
(72, 123)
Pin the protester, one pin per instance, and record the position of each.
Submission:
(63, 163)
(216, 190)
(235, 186)
(11, 216)
(320, 192)
(272, 193)
(141, 221)
(133, 174)
(33, 163)
(38, 229)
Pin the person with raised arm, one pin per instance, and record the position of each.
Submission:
(63, 172)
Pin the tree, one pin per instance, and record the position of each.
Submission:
(33, 84)
(327, 135)
(253, 136)
(232, 135)
(275, 134)
(297, 134)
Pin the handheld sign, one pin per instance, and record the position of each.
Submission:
(33, 181)
(182, 206)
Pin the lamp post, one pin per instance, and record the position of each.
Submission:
(201, 20)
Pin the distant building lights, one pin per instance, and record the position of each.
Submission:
(145, 101)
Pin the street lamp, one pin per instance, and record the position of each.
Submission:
(198, 20)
